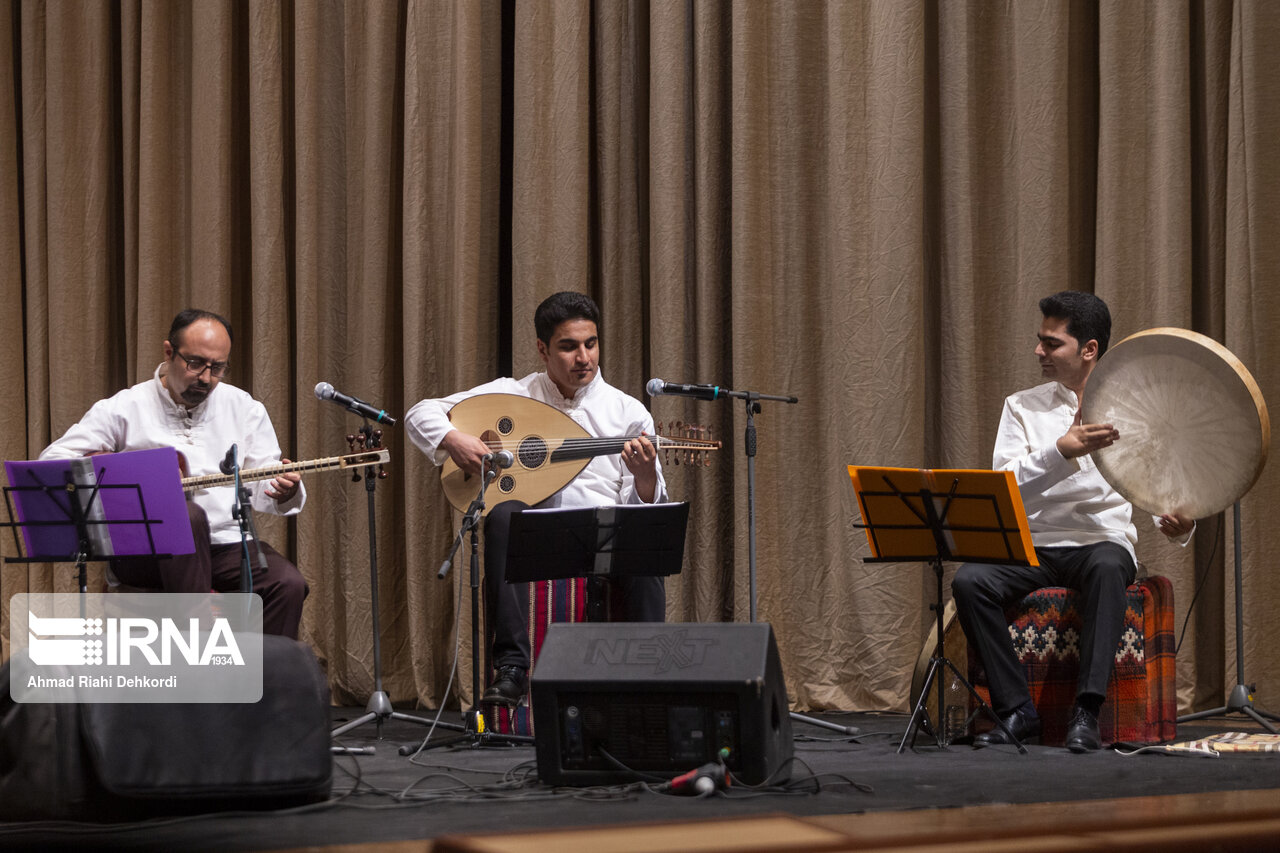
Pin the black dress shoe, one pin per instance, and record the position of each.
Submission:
(508, 686)
(1082, 732)
(1024, 725)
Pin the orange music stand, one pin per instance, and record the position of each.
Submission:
(936, 516)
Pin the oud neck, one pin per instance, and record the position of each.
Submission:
(586, 448)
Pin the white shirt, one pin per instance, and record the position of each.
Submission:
(1067, 501)
(599, 408)
(146, 416)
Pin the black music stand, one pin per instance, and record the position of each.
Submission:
(597, 543)
(937, 516)
(72, 510)
(592, 542)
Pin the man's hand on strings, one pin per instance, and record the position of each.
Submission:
(284, 486)
(641, 458)
(465, 450)
(1086, 438)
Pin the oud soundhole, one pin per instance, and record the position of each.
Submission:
(533, 452)
(505, 426)
(506, 484)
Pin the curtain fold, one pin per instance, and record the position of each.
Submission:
(859, 204)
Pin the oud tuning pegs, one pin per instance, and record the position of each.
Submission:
(377, 438)
(695, 456)
(351, 442)
(689, 433)
(382, 474)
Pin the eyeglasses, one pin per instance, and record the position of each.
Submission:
(196, 366)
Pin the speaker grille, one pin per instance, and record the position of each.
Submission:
(647, 731)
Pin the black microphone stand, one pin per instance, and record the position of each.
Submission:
(752, 399)
(1240, 700)
(474, 730)
(242, 512)
(379, 708)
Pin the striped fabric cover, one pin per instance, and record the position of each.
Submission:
(549, 601)
(1141, 705)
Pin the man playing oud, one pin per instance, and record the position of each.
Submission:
(186, 405)
(568, 344)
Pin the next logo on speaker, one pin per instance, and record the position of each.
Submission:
(663, 651)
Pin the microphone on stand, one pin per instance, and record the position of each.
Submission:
(228, 463)
(501, 459)
(325, 391)
(490, 463)
(657, 388)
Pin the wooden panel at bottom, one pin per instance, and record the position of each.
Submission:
(1235, 820)
(770, 832)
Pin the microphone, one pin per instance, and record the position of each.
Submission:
(228, 463)
(325, 391)
(501, 459)
(657, 388)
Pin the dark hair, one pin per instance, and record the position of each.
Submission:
(190, 315)
(1087, 316)
(558, 307)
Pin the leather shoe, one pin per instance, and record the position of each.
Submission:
(1025, 726)
(508, 686)
(1082, 732)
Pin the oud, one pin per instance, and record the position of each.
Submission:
(550, 448)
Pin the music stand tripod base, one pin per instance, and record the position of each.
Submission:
(923, 515)
(936, 664)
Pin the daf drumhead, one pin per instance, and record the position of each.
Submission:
(1194, 430)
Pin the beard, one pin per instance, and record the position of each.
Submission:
(195, 394)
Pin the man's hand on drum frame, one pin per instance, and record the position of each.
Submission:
(1175, 525)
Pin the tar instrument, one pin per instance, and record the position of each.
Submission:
(248, 475)
(550, 448)
(1194, 430)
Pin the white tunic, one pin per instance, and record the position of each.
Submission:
(599, 408)
(1067, 500)
(146, 416)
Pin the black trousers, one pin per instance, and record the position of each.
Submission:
(217, 567)
(507, 604)
(1100, 573)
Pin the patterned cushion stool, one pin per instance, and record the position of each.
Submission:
(549, 601)
(1141, 706)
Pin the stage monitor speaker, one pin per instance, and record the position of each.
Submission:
(125, 761)
(614, 700)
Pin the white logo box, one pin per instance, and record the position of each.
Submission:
(126, 647)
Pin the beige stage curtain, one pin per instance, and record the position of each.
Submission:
(857, 203)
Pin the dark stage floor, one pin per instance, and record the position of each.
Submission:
(386, 797)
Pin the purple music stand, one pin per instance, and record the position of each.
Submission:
(99, 508)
